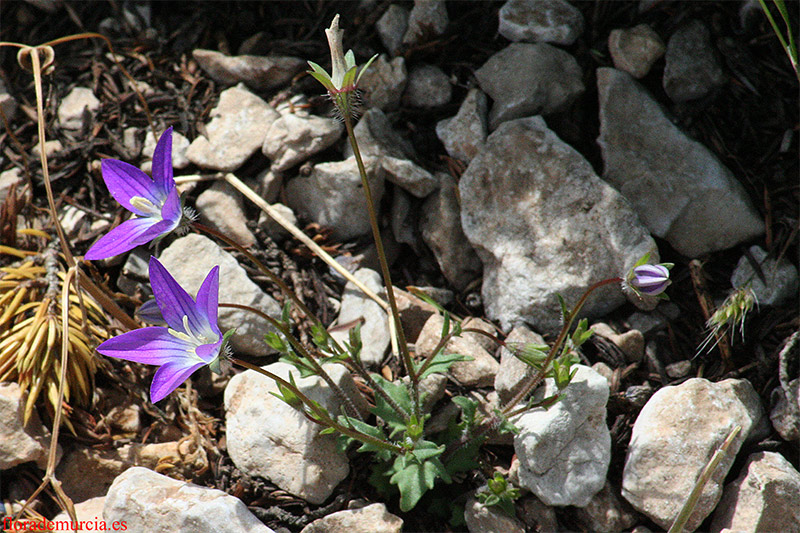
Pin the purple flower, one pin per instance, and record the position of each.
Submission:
(155, 202)
(191, 340)
(649, 279)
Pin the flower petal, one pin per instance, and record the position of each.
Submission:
(151, 346)
(172, 210)
(169, 377)
(124, 181)
(173, 300)
(162, 163)
(126, 236)
(208, 352)
(208, 298)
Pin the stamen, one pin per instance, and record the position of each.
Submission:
(146, 206)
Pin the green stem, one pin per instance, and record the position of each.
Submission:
(373, 220)
(322, 416)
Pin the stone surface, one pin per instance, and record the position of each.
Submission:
(356, 306)
(480, 371)
(763, 498)
(238, 125)
(89, 511)
(292, 139)
(11, 178)
(414, 312)
(275, 231)
(483, 519)
(678, 187)
(512, 373)
(384, 81)
(189, 259)
(427, 20)
(631, 343)
(564, 451)
(564, 229)
(428, 86)
(147, 501)
(221, 206)
(18, 443)
(785, 413)
(634, 50)
(606, 513)
(258, 72)
(780, 278)
(675, 435)
(440, 225)
(268, 438)
(392, 26)
(333, 196)
(77, 109)
(549, 21)
(536, 515)
(370, 519)
(8, 103)
(179, 146)
(529, 79)
(692, 70)
(464, 134)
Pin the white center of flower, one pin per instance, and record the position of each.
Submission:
(146, 206)
(194, 338)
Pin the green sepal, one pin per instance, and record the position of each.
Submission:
(364, 68)
(565, 314)
(642, 260)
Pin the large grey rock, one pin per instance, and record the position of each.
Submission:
(692, 70)
(679, 188)
(464, 134)
(392, 26)
(428, 86)
(268, 438)
(147, 501)
(528, 79)
(237, 129)
(513, 373)
(257, 72)
(428, 19)
(384, 81)
(550, 21)
(370, 519)
(606, 513)
(20, 443)
(675, 435)
(221, 206)
(190, 259)
(357, 306)
(78, 107)
(440, 225)
(785, 413)
(543, 223)
(481, 518)
(780, 278)
(334, 197)
(634, 50)
(763, 498)
(292, 139)
(564, 451)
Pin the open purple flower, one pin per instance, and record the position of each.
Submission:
(191, 340)
(155, 202)
(649, 279)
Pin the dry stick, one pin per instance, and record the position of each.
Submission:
(707, 306)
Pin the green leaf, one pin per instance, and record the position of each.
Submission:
(286, 314)
(414, 479)
(324, 79)
(399, 393)
(355, 342)
(422, 295)
(582, 333)
(642, 260)
(381, 453)
(364, 68)
(276, 342)
(469, 409)
(441, 363)
(532, 354)
(565, 314)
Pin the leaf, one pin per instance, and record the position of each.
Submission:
(441, 363)
(397, 392)
(414, 479)
(565, 314)
(373, 431)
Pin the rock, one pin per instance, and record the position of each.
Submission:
(403, 218)
(189, 259)
(653, 322)
(674, 436)
(292, 139)
(357, 306)
(267, 185)
(630, 343)
(333, 196)
(77, 109)
(606, 513)
(565, 229)
(268, 438)
(384, 81)
(373, 518)
(89, 511)
(275, 231)
(440, 225)
(564, 451)
(634, 50)
(221, 206)
(489, 519)
(763, 498)
(258, 72)
(135, 276)
(20, 443)
(549, 21)
(377, 139)
(463, 135)
(780, 277)
(678, 369)
(147, 501)
(513, 373)
(414, 312)
(8, 103)
(51, 149)
(428, 86)
(11, 178)
(785, 414)
(536, 515)
(392, 26)
(236, 131)
(678, 187)
(427, 20)
(692, 70)
(479, 372)
(529, 79)
(179, 146)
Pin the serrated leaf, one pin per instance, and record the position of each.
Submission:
(414, 479)
(399, 393)
(373, 431)
(442, 362)
(469, 408)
